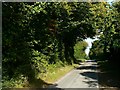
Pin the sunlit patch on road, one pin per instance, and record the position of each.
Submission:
(84, 76)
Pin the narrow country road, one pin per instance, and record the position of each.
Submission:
(83, 77)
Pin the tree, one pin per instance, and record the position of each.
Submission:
(96, 52)
(109, 35)
(15, 47)
(38, 34)
(79, 49)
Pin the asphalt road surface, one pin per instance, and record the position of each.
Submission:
(84, 76)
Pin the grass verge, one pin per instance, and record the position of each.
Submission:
(41, 80)
(52, 76)
(55, 73)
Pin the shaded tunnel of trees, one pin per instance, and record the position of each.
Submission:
(37, 34)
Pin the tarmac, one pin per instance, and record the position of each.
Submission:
(85, 76)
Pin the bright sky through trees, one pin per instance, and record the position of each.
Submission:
(89, 41)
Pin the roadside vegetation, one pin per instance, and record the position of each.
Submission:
(44, 40)
(106, 50)
(108, 75)
(79, 51)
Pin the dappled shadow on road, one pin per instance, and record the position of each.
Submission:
(94, 64)
(91, 65)
(91, 83)
(91, 75)
(90, 61)
(101, 78)
(87, 67)
(88, 71)
(91, 78)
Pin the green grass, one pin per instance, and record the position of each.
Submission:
(56, 73)
(53, 73)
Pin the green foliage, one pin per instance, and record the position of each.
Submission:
(96, 52)
(108, 46)
(80, 50)
(39, 36)
(18, 82)
(40, 62)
